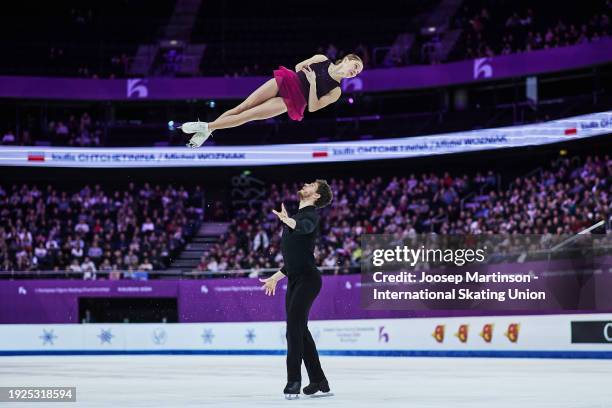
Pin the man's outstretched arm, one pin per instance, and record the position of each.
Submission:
(303, 225)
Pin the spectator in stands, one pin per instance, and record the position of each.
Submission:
(429, 203)
(146, 265)
(522, 31)
(89, 269)
(563, 198)
(8, 138)
(79, 230)
(61, 129)
(75, 267)
(261, 240)
(26, 139)
(203, 264)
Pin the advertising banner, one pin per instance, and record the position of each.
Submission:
(243, 300)
(555, 131)
(372, 80)
(491, 336)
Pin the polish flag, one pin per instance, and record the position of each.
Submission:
(36, 156)
(571, 131)
(319, 153)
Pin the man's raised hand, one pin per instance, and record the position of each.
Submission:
(282, 214)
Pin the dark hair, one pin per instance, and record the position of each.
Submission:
(350, 57)
(324, 190)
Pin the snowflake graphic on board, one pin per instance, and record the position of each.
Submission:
(47, 337)
(208, 336)
(105, 336)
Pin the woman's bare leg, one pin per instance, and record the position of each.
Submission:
(266, 91)
(272, 107)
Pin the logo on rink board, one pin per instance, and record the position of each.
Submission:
(513, 332)
(159, 336)
(438, 333)
(487, 332)
(383, 336)
(462, 333)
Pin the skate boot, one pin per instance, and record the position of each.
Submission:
(292, 390)
(198, 139)
(194, 127)
(318, 389)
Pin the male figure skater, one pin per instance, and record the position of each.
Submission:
(304, 284)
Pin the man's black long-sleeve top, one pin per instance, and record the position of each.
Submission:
(297, 245)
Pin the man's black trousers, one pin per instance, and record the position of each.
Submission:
(301, 293)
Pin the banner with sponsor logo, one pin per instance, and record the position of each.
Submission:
(490, 336)
(555, 131)
(372, 80)
(243, 300)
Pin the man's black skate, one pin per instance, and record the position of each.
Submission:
(317, 389)
(292, 390)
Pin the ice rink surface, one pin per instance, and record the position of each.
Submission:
(251, 381)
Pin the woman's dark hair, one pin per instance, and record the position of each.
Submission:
(324, 190)
(350, 57)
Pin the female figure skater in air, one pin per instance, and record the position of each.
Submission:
(314, 83)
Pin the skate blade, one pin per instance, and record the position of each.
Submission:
(321, 395)
(292, 396)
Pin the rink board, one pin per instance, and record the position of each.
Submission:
(564, 336)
